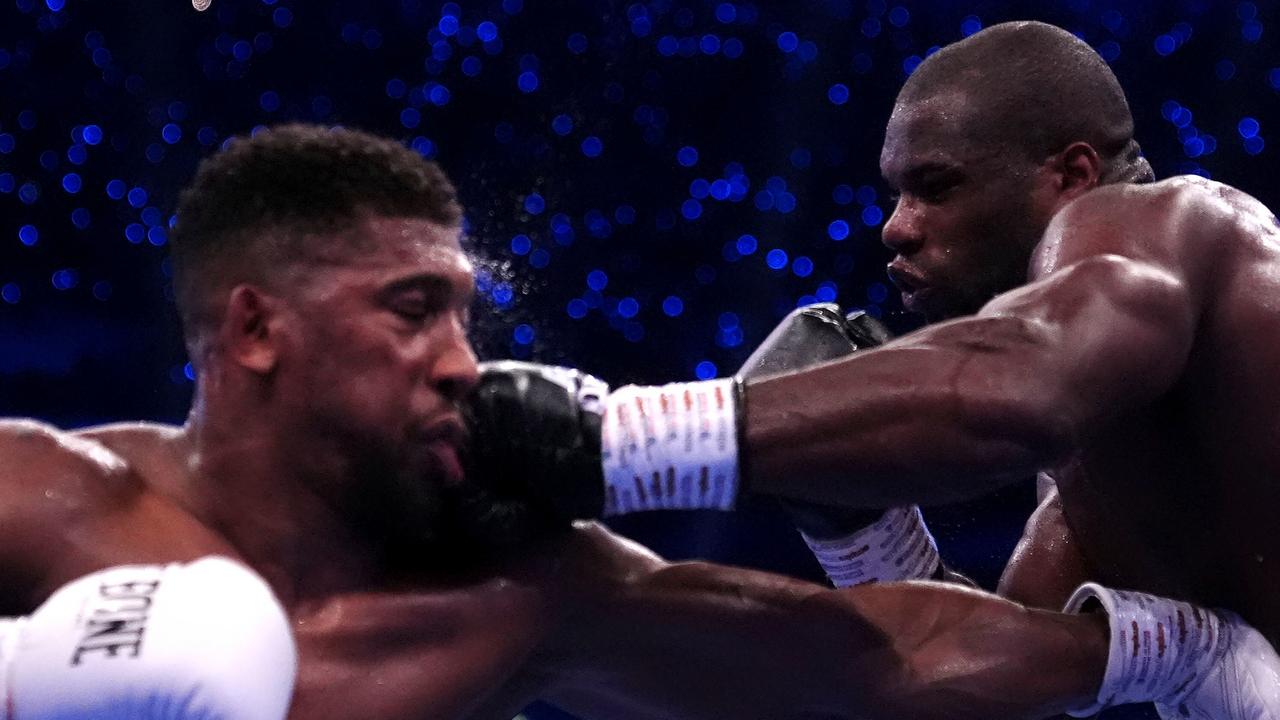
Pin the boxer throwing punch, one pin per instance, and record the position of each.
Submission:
(1131, 364)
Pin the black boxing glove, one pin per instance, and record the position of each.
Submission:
(534, 433)
(854, 546)
(561, 436)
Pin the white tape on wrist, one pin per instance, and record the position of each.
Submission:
(898, 546)
(1158, 646)
(670, 447)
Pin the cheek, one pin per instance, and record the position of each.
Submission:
(963, 239)
(366, 371)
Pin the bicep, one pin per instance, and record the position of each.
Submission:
(1118, 332)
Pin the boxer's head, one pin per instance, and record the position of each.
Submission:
(323, 291)
(988, 139)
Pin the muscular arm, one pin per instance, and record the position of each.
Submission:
(960, 408)
(1047, 564)
(704, 641)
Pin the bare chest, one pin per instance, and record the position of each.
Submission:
(1173, 502)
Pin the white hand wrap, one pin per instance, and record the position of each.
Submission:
(206, 640)
(670, 447)
(1192, 662)
(898, 546)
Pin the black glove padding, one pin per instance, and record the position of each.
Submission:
(810, 335)
(534, 434)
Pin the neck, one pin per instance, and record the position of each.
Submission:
(264, 496)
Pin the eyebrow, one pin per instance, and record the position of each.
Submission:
(915, 173)
(430, 284)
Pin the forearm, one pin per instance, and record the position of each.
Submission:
(948, 413)
(698, 640)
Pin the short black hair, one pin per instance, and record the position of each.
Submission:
(1039, 88)
(252, 207)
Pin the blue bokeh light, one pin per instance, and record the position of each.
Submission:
(802, 266)
(776, 259)
(65, 279)
(628, 307)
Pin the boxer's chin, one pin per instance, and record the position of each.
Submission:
(495, 523)
(399, 505)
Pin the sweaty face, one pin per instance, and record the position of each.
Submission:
(969, 208)
(381, 363)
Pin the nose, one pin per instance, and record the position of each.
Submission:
(455, 370)
(902, 232)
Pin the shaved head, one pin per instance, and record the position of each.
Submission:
(989, 138)
(1033, 89)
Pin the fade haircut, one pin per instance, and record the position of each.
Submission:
(269, 203)
(1038, 88)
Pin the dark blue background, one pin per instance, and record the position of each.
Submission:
(650, 186)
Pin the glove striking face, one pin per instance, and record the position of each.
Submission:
(535, 437)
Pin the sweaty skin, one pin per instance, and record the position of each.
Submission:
(367, 357)
(1136, 367)
(591, 622)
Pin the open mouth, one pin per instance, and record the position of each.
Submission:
(444, 440)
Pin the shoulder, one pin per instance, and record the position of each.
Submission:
(1186, 202)
(52, 476)
(1186, 226)
(37, 453)
(140, 443)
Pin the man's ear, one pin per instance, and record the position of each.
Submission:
(1078, 169)
(250, 329)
